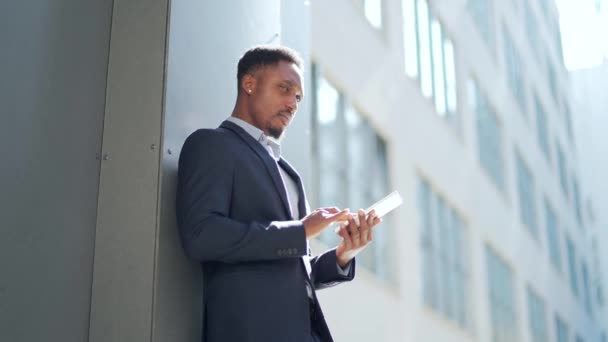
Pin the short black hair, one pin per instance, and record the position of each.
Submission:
(263, 55)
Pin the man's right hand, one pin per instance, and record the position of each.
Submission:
(321, 218)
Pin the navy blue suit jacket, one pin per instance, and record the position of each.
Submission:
(234, 218)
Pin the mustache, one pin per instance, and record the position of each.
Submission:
(287, 113)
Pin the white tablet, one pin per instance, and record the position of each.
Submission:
(383, 206)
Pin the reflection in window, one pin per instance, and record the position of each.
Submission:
(351, 167)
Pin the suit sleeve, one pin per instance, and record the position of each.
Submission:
(325, 271)
(203, 198)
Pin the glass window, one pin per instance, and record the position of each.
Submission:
(553, 237)
(438, 68)
(429, 55)
(345, 176)
(373, 12)
(443, 244)
(541, 128)
(450, 76)
(568, 118)
(424, 39)
(532, 31)
(577, 202)
(586, 287)
(561, 329)
(502, 303)
(489, 135)
(410, 37)
(552, 79)
(527, 200)
(482, 12)
(372, 9)
(572, 266)
(536, 313)
(514, 69)
(561, 164)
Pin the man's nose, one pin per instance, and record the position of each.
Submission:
(292, 104)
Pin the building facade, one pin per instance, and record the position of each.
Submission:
(465, 108)
(590, 124)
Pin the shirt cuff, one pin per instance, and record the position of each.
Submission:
(344, 271)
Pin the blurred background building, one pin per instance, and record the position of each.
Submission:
(464, 107)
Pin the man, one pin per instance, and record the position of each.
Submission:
(242, 213)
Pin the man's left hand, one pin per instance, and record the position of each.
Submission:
(355, 237)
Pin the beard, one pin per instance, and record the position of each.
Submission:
(275, 132)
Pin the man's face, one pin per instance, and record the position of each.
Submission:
(275, 93)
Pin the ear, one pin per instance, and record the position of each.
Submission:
(248, 83)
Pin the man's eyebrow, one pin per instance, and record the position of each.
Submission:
(292, 83)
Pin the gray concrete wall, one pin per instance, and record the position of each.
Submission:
(205, 41)
(52, 92)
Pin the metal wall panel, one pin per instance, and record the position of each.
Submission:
(126, 234)
(52, 92)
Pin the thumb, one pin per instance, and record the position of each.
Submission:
(340, 216)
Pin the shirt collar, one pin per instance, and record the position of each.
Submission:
(259, 135)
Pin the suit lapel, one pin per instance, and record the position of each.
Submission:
(302, 209)
(273, 170)
(269, 163)
(301, 194)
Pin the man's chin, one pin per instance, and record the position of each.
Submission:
(276, 133)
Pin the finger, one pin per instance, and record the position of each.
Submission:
(364, 227)
(331, 210)
(339, 216)
(376, 221)
(345, 237)
(353, 230)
